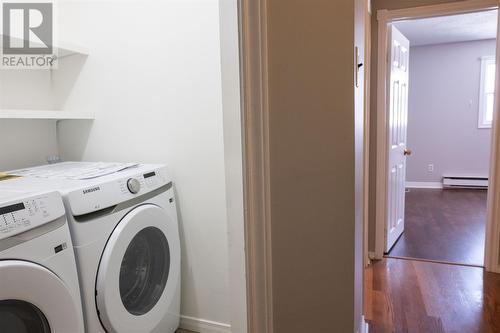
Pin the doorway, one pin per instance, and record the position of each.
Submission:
(445, 135)
(391, 183)
(419, 292)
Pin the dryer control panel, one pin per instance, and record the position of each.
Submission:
(114, 189)
(26, 212)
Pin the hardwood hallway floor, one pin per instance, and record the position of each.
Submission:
(444, 225)
(414, 296)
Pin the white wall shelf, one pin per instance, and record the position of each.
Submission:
(67, 49)
(46, 114)
(62, 49)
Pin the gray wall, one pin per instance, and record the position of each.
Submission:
(443, 111)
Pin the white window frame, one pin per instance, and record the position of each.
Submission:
(482, 122)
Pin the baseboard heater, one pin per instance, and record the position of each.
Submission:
(457, 181)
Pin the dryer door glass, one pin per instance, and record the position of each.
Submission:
(144, 270)
(22, 317)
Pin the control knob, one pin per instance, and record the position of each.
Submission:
(133, 185)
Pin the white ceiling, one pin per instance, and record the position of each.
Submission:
(450, 29)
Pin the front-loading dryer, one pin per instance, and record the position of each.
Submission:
(39, 290)
(126, 240)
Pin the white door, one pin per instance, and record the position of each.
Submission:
(398, 120)
(35, 300)
(139, 271)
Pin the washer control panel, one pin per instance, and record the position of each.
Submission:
(25, 213)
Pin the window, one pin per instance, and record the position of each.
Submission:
(486, 92)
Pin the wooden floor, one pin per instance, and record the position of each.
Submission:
(444, 225)
(415, 296)
(407, 296)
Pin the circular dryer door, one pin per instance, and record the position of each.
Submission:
(139, 270)
(35, 300)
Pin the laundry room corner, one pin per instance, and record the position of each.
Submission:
(148, 86)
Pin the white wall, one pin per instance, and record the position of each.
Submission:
(443, 111)
(26, 143)
(153, 78)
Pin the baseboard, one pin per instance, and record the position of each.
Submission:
(364, 325)
(203, 325)
(207, 326)
(424, 185)
(495, 269)
(371, 255)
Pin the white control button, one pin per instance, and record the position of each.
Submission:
(133, 185)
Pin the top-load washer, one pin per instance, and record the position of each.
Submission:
(39, 291)
(123, 222)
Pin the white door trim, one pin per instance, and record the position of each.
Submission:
(386, 17)
(491, 258)
(366, 154)
(233, 161)
(452, 8)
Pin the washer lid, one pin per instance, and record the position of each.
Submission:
(139, 270)
(28, 288)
